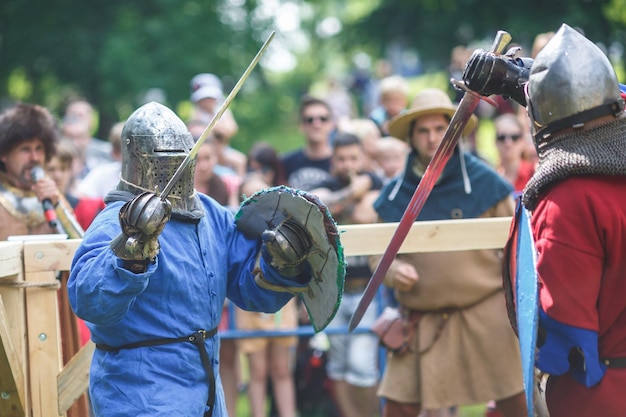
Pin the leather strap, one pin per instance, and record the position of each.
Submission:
(614, 362)
(263, 283)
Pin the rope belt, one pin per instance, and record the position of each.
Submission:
(614, 362)
(197, 339)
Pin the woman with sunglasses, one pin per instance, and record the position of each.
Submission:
(510, 143)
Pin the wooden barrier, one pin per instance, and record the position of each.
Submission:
(33, 381)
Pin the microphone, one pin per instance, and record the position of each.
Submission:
(37, 174)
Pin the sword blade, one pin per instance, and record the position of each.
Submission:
(435, 167)
(462, 114)
(205, 133)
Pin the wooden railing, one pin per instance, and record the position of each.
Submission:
(33, 381)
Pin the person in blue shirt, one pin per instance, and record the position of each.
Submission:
(151, 275)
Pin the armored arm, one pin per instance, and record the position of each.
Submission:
(488, 73)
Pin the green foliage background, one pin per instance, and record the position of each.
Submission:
(113, 52)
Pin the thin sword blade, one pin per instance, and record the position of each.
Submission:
(435, 167)
(196, 147)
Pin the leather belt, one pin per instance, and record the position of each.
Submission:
(197, 339)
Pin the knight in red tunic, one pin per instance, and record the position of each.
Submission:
(578, 201)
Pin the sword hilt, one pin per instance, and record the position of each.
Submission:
(500, 42)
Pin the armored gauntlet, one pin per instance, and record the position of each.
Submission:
(286, 248)
(488, 73)
(142, 219)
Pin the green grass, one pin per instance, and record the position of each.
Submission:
(472, 411)
(243, 408)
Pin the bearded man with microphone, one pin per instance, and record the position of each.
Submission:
(28, 137)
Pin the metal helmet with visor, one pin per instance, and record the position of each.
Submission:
(155, 141)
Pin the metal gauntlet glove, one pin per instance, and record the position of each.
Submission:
(286, 248)
(488, 73)
(142, 219)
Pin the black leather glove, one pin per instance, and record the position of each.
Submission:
(142, 220)
(488, 73)
(286, 248)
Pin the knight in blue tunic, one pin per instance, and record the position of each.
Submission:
(151, 275)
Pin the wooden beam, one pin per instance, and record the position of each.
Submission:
(427, 236)
(11, 270)
(49, 256)
(44, 341)
(11, 372)
(10, 259)
(73, 380)
(42, 261)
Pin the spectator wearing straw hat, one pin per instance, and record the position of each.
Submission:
(454, 301)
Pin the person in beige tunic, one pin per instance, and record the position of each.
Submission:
(28, 136)
(463, 350)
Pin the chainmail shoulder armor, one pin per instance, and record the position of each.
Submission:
(600, 151)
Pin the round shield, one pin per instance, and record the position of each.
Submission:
(268, 209)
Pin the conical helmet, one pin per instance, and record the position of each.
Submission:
(571, 81)
(155, 141)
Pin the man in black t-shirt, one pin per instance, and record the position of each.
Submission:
(309, 166)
